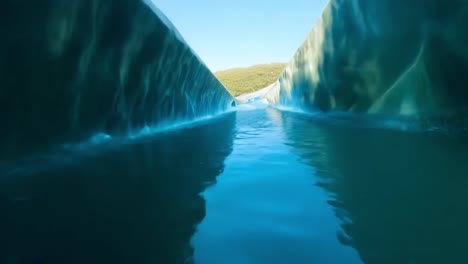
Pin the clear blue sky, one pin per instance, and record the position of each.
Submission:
(239, 33)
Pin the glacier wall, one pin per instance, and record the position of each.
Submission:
(388, 57)
(71, 69)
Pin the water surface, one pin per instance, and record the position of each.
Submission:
(255, 186)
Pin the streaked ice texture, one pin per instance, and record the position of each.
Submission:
(388, 57)
(73, 69)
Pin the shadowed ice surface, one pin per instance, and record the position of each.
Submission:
(70, 70)
(389, 56)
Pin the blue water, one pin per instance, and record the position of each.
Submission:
(113, 149)
(266, 207)
(258, 185)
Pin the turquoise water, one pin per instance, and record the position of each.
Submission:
(113, 149)
(266, 206)
(258, 185)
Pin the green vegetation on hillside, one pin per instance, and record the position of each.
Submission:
(246, 80)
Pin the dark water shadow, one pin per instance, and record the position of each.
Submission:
(401, 197)
(135, 204)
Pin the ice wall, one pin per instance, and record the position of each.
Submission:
(71, 69)
(387, 56)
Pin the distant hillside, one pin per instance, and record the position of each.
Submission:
(246, 80)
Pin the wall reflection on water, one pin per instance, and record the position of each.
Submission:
(137, 204)
(401, 196)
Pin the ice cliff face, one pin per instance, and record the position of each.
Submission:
(387, 56)
(71, 69)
